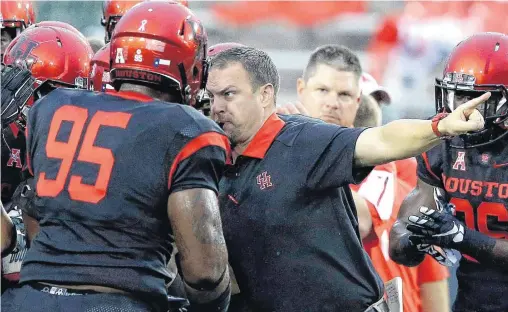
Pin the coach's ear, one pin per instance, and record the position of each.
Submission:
(300, 87)
(267, 95)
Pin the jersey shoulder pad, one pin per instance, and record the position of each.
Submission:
(193, 123)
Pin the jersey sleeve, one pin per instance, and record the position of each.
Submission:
(430, 168)
(331, 163)
(200, 163)
(431, 271)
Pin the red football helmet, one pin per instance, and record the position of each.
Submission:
(58, 24)
(53, 54)
(477, 65)
(219, 47)
(17, 14)
(99, 79)
(113, 10)
(15, 17)
(162, 44)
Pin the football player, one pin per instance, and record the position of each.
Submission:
(112, 11)
(120, 178)
(55, 57)
(99, 71)
(16, 16)
(470, 174)
(425, 287)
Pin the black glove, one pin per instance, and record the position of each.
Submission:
(437, 231)
(437, 228)
(17, 87)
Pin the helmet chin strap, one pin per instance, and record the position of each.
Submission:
(184, 89)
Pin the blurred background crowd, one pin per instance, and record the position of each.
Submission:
(401, 43)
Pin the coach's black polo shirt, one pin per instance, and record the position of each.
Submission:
(290, 222)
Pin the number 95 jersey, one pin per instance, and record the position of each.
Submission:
(476, 181)
(104, 166)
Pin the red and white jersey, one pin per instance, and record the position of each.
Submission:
(384, 189)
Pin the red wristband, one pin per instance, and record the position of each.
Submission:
(435, 122)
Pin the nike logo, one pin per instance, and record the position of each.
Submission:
(500, 165)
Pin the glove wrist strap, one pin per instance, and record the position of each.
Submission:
(476, 244)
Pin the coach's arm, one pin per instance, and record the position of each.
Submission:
(406, 138)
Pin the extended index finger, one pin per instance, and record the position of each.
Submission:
(472, 104)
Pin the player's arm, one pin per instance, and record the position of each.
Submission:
(406, 138)
(193, 211)
(401, 249)
(485, 249)
(8, 231)
(434, 296)
(195, 220)
(364, 217)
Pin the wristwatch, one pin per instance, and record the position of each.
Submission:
(435, 121)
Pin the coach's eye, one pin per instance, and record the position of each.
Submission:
(323, 90)
(344, 97)
(229, 94)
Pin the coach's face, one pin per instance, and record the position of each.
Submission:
(235, 106)
(330, 95)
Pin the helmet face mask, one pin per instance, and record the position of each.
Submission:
(110, 26)
(448, 98)
(477, 65)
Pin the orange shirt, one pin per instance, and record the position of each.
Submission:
(384, 190)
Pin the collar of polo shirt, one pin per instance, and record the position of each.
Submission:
(261, 142)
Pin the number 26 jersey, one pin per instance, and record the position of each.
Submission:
(476, 181)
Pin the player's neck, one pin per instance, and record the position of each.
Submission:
(145, 90)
